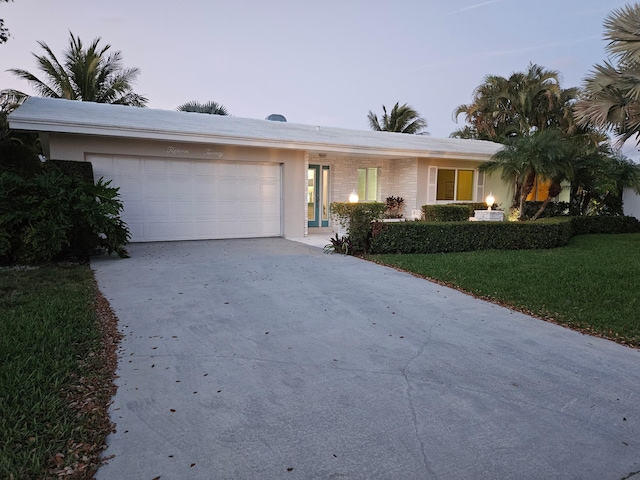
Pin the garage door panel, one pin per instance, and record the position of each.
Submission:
(127, 166)
(204, 168)
(181, 167)
(206, 212)
(155, 166)
(178, 199)
(181, 187)
(181, 209)
(155, 210)
(135, 210)
(136, 229)
(169, 230)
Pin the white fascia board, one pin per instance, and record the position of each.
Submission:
(117, 121)
(163, 135)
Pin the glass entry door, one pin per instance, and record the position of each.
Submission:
(318, 195)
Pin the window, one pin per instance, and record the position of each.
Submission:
(368, 184)
(540, 190)
(455, 185)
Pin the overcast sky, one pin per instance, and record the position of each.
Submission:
(322, 62)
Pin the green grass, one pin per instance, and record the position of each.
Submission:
(593, 284)
(48, 337)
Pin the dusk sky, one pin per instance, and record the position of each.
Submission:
(321, 63)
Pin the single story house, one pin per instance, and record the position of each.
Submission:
(187, 176)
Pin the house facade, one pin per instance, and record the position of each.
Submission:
(188, 176)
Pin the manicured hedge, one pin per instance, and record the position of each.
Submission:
(604, 224)
(438, 237)
(451, 212)
(446, 213)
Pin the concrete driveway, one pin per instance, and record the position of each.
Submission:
(267, 359)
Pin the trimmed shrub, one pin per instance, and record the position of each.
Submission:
(553, 209)
(604, 224)
(439, 237)
(446, 213)
(357, 218)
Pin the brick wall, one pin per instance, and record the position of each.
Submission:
(397, 177)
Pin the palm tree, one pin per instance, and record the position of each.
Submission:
(90, 74)
(542, 154)
(513, 107)
(212, 108)
(9, 100)
(402, 119)
(612, 99)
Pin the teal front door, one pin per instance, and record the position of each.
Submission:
(318, 195)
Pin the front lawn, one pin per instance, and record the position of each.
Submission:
(56, 366)
(592, 285)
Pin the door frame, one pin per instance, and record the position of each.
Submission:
(321, 202)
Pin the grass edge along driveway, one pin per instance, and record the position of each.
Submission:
(591, 285)
(58, 340)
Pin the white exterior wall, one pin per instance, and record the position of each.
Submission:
(397, 177)
(422, 169)
(294, 171)
(631, 203)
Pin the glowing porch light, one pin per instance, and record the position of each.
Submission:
(490, 200)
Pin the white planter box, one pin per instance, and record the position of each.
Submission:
(488, 215)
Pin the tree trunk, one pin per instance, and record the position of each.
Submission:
(554, 191)
(529, 182)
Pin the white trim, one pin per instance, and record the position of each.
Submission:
(432, 185)
(69, 116)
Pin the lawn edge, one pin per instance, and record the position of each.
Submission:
(549, 318)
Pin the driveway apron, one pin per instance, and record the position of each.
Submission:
(268, 359)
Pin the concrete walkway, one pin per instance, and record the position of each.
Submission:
(267, 359)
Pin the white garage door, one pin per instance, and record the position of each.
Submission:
(180, 199)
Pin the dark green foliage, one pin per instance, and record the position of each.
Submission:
(360, 224)
(69, 167)
(604, 224)
(437, 237)
(357, 217)
(339, 245)
(447, 213)
(53, 214)
(19, 159)
(553, 209)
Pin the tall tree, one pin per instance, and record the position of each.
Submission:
(212, 108)
(9, 101)
(542, 154)
(91, 74)
(612, 99)
(503, 108)
(401, 119)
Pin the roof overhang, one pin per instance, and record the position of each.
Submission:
(46, 115)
